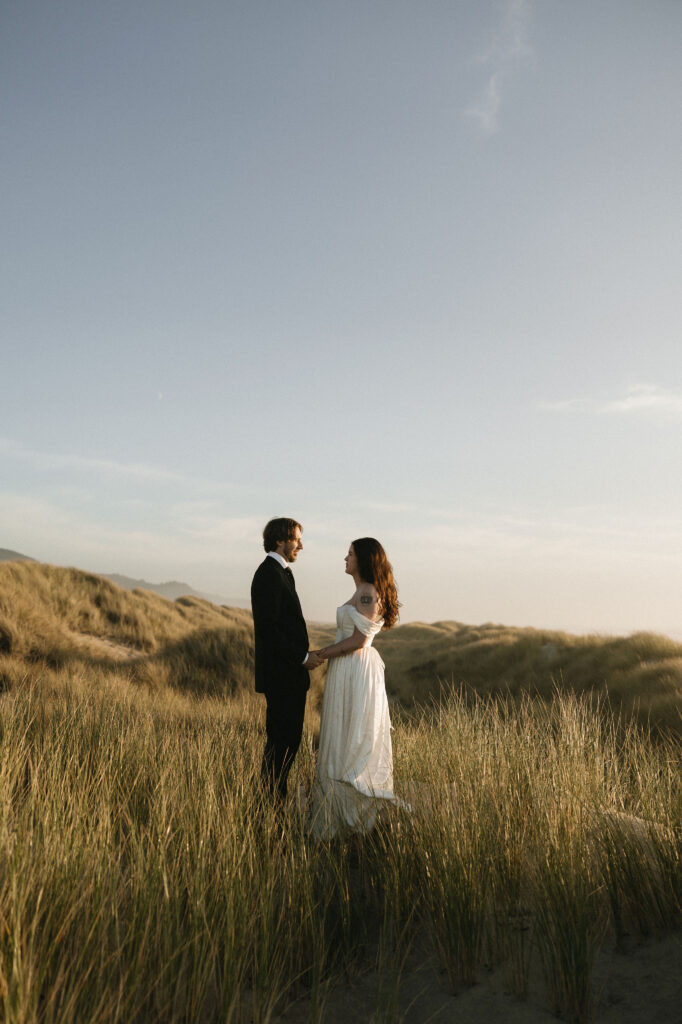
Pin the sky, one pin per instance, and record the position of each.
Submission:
(397, 268)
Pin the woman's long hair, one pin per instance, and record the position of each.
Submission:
(374, 567)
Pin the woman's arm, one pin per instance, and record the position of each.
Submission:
(352, 643)
(368, 601)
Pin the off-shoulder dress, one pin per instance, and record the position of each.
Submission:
(355, 758)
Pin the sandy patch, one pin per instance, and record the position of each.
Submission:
(100, 647)
(642, 985)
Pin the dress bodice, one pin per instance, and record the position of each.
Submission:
(349, 618)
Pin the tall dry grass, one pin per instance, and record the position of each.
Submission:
(54, 620)
(640, 674)
(143, 879)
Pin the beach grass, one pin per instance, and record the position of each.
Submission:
(142, 877)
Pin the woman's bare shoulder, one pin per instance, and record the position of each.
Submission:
(367, 599)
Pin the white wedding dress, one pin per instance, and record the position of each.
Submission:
(355, 758)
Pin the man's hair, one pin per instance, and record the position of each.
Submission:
(279, 530)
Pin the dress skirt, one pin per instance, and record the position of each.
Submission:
(355, 759)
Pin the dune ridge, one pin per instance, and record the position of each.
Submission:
(54, 619)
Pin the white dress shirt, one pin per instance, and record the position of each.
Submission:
(279, 558)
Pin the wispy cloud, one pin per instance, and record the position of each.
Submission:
(486, 111)
(509, 50)
(555, 567)
(566, 405)
(92, 538)
(640, 400)
(646, 398)
(52, 461)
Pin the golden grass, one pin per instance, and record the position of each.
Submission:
(54, 619)
(43, 606)
(143, 879)
(641, 674)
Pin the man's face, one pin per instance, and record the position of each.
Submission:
(289, 549)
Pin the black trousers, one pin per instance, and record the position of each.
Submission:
(283, 730)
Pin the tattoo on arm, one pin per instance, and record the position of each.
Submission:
(366, 599)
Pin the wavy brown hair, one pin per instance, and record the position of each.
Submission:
(279, 529)
(374, 567)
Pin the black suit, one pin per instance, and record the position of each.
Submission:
(281, 644)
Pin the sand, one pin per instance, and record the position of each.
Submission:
(640, 985)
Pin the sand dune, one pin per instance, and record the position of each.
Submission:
(54, 616)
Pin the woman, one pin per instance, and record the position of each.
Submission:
(355, 760)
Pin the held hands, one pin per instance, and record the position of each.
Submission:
(314, 660)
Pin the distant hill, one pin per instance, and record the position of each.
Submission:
(13, 556)
(172, 590)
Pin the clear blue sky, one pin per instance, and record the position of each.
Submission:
(407, 269)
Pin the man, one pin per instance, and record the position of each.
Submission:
(283, 660)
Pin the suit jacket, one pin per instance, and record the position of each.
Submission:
(281, 637)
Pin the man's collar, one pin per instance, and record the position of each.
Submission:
(280, 559)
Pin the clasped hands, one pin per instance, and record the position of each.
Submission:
(315, 659)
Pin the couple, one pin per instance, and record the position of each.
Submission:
(355, 762)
